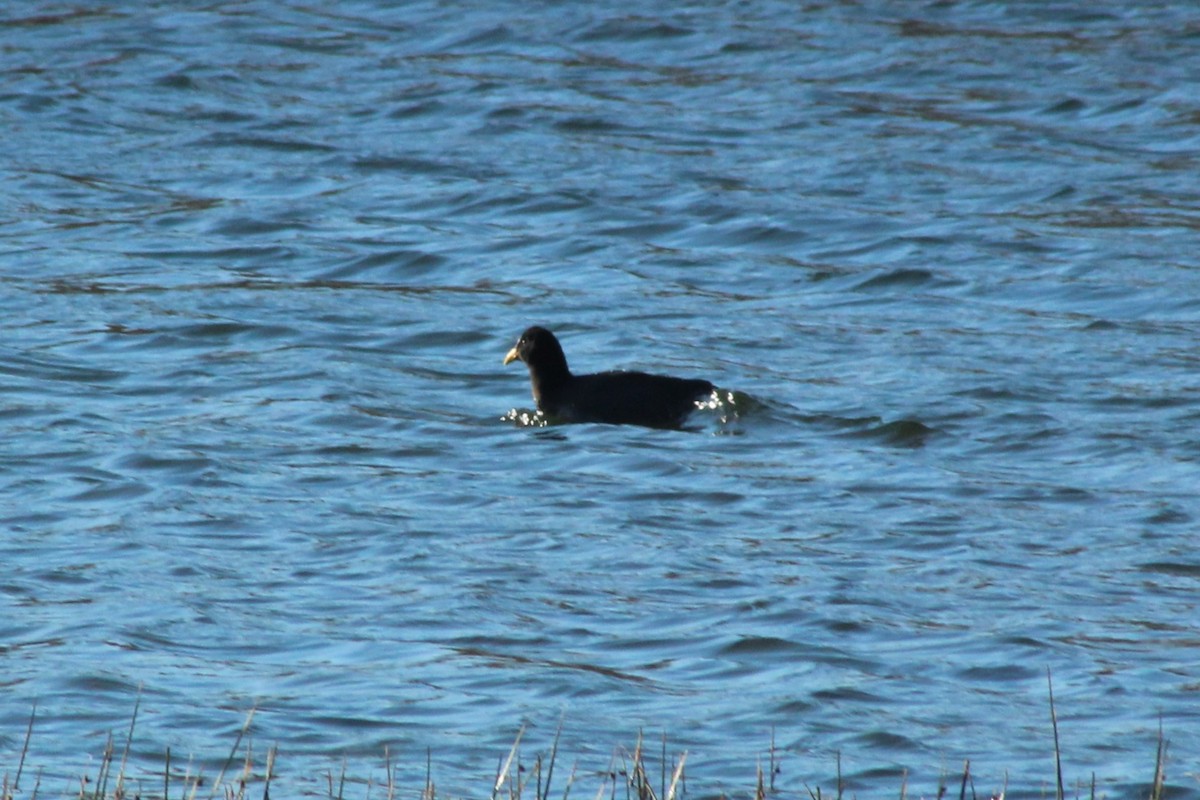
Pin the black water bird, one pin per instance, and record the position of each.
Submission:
(617, 398)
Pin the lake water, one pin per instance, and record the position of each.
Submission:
(261, 262)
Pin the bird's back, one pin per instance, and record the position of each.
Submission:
(623, 398)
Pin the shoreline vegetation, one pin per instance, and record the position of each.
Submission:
(630, 775)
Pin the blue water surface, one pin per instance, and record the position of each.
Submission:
(259, 264)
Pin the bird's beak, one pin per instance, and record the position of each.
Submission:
(512, 356)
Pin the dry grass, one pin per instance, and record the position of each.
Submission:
(627, 776)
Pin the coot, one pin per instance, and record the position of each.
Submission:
(618, 398)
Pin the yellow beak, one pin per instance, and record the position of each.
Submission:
(512, 356)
